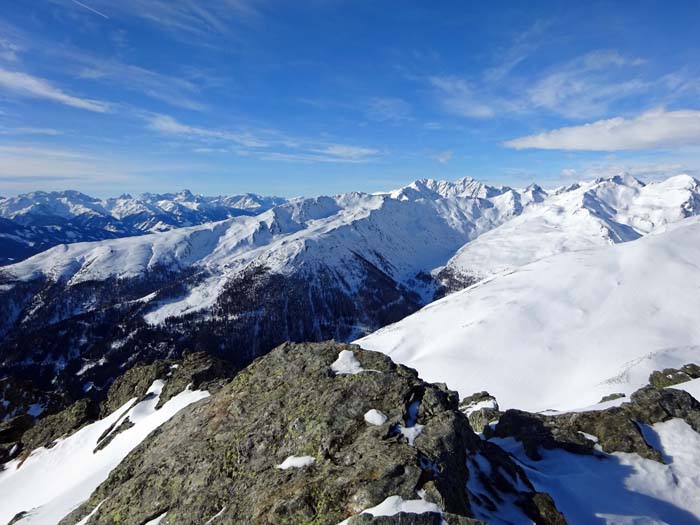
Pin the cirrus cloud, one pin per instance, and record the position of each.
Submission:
(34, 87)
(657, 129)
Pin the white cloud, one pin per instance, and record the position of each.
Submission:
(30, 131)
(523, 45)
(313, 157)
(275, 146)
(652, 130)
(9, 51)
(29, 86)
(173, 90)
(167, 124)
(32, 163)
(342, 151)
(457, 97)
(192, 17)
(443, 157)
(586, 86)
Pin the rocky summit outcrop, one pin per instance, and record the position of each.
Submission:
(317, 433)
(674, 376)
(617, 429)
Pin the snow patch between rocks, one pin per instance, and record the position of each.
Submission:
(92, 513)
(211, 520)
(487, 403)
(411, 430)
(296, 462)
(346, 363)
(395, 504)
(375, 417)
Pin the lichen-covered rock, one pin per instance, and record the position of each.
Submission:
(132, 384)
(616, 429)
(674, 376)
(197, 370)
(55, 426)
(222, 456)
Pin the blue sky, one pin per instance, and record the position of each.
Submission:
(311, 97)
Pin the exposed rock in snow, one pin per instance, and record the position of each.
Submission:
(659, 485)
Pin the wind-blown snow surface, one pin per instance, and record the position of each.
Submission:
(564, 331)
(52, 482)
(578, 217)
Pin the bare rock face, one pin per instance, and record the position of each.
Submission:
(313, 434)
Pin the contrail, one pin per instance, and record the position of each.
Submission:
(91, 9)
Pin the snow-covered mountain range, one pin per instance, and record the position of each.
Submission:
(580, 216)
(33, 222)
(308, 269)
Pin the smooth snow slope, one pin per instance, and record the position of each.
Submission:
(583, 216)
(52, 482)
(562, 332)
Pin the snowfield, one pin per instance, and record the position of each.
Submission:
(564, 331)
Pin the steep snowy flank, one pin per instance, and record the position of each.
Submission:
(579, 217)
(564, 331)
(51, 482)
